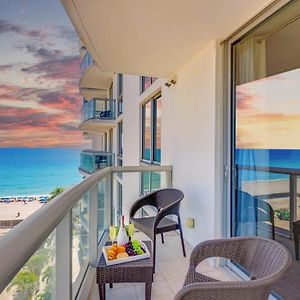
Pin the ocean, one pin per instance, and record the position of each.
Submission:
(31, 171)
(285, 158)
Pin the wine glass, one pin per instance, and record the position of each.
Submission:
(112, 233)
(131, 230)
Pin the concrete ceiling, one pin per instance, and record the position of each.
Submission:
(154, 37)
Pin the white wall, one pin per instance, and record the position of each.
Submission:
(131, 138)
(131, 121)
(188, 141)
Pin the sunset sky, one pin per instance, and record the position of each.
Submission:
(268, 112)
(39, 73)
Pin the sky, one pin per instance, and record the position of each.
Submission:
(268, 112)
(39, 74)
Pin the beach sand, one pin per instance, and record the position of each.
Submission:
(259, 188)
(9, 211)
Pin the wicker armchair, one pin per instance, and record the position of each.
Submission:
(264, 260)
(167, 202)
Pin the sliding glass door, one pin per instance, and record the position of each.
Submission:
(266, 131)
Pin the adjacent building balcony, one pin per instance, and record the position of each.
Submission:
(98, 115)
(94, 83)
(92, 161)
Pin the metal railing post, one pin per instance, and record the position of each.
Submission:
(293, 201)
(94, 108)
(93, 225)
(63, 288)
(109, 199)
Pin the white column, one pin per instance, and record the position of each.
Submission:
(97, 141)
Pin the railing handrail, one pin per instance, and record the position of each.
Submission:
(101, 99)
(21, 242)
(278, 170)
(90, 151)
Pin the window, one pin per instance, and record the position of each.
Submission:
(150, 182)
(146, 123)
(111, 91)
(120, 94)
(157, 129)
(120, 200)
(145, 82)
(151, 131)
(120, 139)
(105, 141)
(110, 143)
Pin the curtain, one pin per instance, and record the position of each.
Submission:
(250, 60)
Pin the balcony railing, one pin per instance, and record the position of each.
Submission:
(56, 248)
(86, 62)
(103, 109)
(291, 193)
(92, 161)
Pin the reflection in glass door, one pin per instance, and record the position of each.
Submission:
(266, 135)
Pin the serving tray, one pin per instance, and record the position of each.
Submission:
(125, 259)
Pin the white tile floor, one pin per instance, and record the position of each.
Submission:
(171, 269)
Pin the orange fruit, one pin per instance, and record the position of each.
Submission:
(111, 252)
(121, 249)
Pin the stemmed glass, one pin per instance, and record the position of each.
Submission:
(112, 233)
(131, 230)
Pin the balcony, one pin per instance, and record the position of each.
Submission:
(92, 161)
(62, 240)
(98, 115)
(94, 83)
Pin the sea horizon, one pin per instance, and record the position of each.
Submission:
(37, 171)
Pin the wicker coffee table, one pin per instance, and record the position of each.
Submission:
(136, 271)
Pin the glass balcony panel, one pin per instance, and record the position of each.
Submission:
(103, 109)
(92, 161)
(103, 207)
(36, 280)
(133, 186)
(80, 242)
(86, 62)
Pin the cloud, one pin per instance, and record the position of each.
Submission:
(4, 68)
(15, 92)
(43, 53)
(40, 106)
(69, 127)
(8, 27)
(67, 34)
(63, 68)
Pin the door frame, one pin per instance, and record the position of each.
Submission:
(229, 114)
(229, 101)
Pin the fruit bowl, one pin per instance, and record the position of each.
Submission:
(121, 254)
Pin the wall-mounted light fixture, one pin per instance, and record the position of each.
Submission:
(171, 82)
